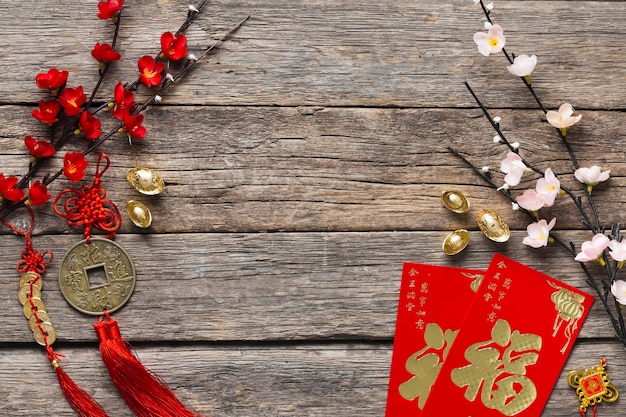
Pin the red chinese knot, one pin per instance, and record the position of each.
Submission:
(89, 207)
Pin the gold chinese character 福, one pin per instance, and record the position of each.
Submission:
(497, 369)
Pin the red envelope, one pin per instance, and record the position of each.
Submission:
(432, 306)
(506, 358)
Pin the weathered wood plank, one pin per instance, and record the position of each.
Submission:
(311, 381)
(241, 169)
(339, 53)
(271, 286)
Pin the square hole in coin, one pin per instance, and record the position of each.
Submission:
(96, 276)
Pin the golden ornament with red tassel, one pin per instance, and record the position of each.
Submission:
(32, 266)
(145, 393)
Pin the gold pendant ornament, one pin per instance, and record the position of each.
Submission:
(97, 276)
(493, 225)
(592, 386)
(456, 241)
(455, 201)
(139, 214)
(146, 181)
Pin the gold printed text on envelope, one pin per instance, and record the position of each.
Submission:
(497, 369)
(425, 364)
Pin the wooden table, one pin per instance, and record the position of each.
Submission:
(304, 163)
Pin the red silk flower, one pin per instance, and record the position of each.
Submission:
(8, 190)
(133, 126)
(150, 70)
(89, 125)
(124, 101)
(74, 166)
(47, 111)
(71, 99)
(104, 53)
(52, 80)
(109, 8)
(174, 47)
(38, 194)
(39, 148)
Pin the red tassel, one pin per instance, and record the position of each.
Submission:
(146, 393)
(79, 399)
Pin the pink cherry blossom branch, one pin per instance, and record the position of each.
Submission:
(564, 141)
(617, 319)
(505, 141)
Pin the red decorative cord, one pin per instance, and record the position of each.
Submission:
(32, 260)
(89, 207)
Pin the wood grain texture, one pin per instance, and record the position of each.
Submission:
(392, 53)
(304, 163)
(244, 169)
(273, 286)
(264, 381)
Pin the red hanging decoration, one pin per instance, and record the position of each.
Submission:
(34, 263)
(145, 392)
(89, 207)
(82, 403)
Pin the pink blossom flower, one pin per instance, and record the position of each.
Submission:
(523, 65)
(593, 249)
(513, 167)
(491, 42)
(618, 289)
(563, 118)
(618, 250)
(530, 200)
(591, 176)
(538, 233)
(548, 187)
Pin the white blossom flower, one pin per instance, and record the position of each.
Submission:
(591, 176)
(530, 200)
(548, 187)
(523, 65)
(491, 42)
(618, 289)
(538, 233)
(618, 250)
(513, 167)
(593, 249)
(563, 118)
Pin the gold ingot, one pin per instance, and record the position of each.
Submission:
(28, 291)
(493, 226)
(456, 241)
(454, 201)
(145, 180)
(139, 214)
